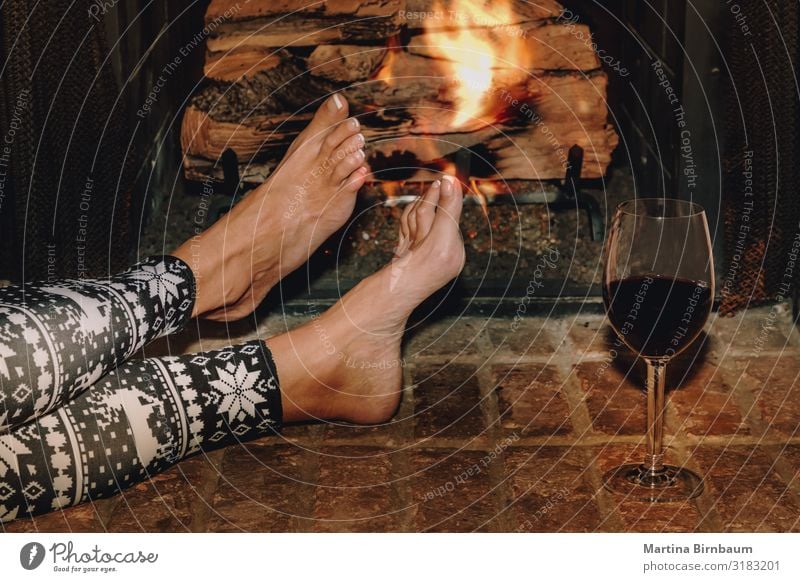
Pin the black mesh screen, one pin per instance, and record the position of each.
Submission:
(66, 190)
(761, 170)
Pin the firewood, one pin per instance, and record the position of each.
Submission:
(298, 30)
(235, 10)
(396, 64)
(296, 23)
(345, 63)
(537, 152)
(451, 14)
(414, 91)
(232, 65)
(548, 47)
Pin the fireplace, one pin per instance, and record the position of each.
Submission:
(518, 375)
(550, 114)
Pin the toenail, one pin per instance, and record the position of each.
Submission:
(336, 103)
(360, 154)
(447, 187)
(361, 139)
(354, 123)
(437, 183)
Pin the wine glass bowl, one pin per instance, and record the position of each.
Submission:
(658, 290)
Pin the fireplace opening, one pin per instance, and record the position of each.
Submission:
(511, 97)
(550, 113)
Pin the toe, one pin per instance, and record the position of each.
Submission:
(330, 113)
(426, 211)
(450, 201)
(347, 166)
(445, 231)
(355, 180)
(337, 136)
(351, 145)
(405, 232)
(412, 221)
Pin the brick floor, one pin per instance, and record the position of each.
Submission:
(501, 428)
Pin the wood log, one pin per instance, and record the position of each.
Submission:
(300, 30)
(345, 63)
(544, 47)
(236, 49)
(523, 157)
(232, 65)
(537, 152)
(454, 12)
(290, 23)
(414, 81)
(217, 10)
(546, 97)
(413, 87)
(550, 47)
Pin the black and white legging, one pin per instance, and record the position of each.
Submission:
(79, 422)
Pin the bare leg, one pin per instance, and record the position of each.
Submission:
(58, 338)
(345, 364)
(147, 415)
(277, 226)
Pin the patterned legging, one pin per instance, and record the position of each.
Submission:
(79, 422)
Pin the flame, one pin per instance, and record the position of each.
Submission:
(471, 60)
(470, 53)
(477, 45)
(479, 196)
(386, 73)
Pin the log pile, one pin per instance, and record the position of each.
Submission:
(270, 63)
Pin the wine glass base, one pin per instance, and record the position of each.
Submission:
(638, 483)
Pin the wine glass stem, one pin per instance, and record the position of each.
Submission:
(656, 380)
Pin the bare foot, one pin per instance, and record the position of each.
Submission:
(277, 226)
(345, 364)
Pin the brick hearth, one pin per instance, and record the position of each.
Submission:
(500, 430)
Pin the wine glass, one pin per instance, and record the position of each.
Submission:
(658, 289)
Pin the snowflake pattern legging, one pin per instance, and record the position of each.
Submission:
(79, 422)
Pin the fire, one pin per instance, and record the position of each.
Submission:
(386, 72)
(470, 43)
(471, 60)
(479, 195)
(469, 53)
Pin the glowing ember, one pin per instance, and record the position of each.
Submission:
(391, 188)
(475, 191)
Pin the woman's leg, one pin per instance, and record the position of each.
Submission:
(135, 422)
(58, 338)
(147, 415)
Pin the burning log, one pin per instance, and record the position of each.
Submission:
(448, 87)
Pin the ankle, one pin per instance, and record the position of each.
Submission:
(192, 252)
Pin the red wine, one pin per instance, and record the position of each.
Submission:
(657, 316)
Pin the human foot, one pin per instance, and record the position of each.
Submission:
(276, 227)
(345, 364)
